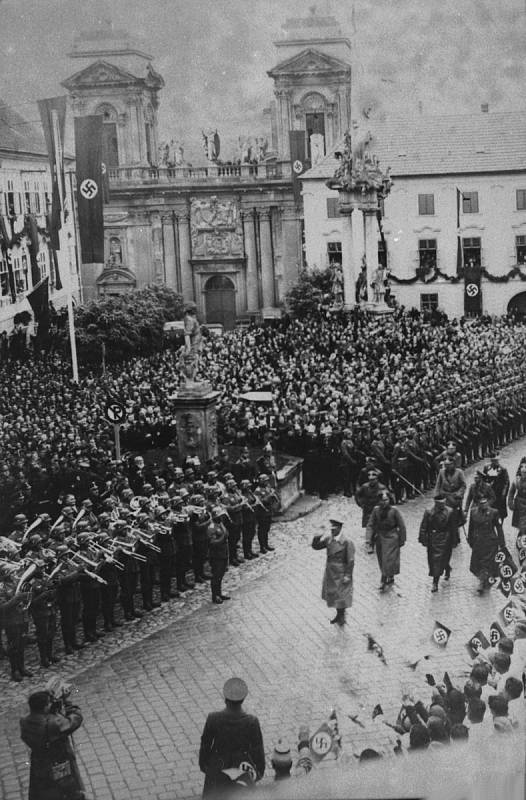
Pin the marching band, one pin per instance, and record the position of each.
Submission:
(75, 568)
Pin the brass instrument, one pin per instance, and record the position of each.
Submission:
(145, 539)
(108, 554)
(78, 518)
(87, 572)
(126, 549)
(57, 523)
(31, 527)
(25, 578)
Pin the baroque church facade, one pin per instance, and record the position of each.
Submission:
(228, 236)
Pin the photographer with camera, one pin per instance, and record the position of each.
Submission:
(46, 730)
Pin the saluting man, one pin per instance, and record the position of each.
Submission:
(337, 587)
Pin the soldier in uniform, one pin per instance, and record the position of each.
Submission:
(129, 576)
(267, 501)
(69, 601)
(165, 540)
(498, 478)
(43, 610)
(19, 528)
(438, 534)
(109, 591)
(233, 502)
(452, 483)
(386, 531)
(350, 463)
(485, 536)
(218, 554)
(182, 533)
(231, 748)
(200, 519)
(367, 497)
(337, 587)
(90, 594)
(14, 618)
(479, 488)
(248, 519)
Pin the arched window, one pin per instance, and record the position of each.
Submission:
(313, 105)
(115, 251)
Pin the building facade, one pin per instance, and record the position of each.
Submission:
(226, 235)
(458, 180)
(25, 193)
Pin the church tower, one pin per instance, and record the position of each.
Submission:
(312, 85)
(116, 79)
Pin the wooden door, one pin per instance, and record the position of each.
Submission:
(220, 301)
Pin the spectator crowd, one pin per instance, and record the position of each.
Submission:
(344, 388)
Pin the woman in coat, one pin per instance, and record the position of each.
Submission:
(337, 587)
(386, 530)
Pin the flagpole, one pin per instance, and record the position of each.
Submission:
(64, 266)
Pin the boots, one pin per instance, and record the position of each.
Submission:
(49, 654)
(435, 585)
(42, 649)
(339, 619)
(22, 670)
(15, 672)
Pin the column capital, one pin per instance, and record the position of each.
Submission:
(265, 214)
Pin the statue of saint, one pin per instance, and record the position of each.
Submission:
(337, 285)
(211, 144)
(378, 284)
(189, 355)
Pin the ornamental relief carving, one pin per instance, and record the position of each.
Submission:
(215, 227)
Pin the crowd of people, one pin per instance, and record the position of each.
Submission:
(344, 388)
(104, 549)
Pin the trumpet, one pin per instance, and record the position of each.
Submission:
(87, 572)
(145, 539)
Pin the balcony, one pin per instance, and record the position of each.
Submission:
(214, 173)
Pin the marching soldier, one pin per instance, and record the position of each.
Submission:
(479, 488)
(452, 484)
(485, 536)
(498, 478)
(438, 534)
(367, 497)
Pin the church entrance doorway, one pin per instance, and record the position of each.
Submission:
(517, 304)
(220, 301)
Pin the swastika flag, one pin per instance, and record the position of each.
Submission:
(477, 643)
(440, 635)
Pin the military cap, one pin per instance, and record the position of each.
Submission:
(235, 690)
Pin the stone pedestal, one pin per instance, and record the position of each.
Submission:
(196, 418)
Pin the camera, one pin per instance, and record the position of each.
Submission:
(59, 690)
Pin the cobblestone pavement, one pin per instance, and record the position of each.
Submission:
(146, 693)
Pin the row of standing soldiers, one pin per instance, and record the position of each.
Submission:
(408, 454)
(83, 564)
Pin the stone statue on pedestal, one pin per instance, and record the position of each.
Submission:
(189, 354)
(337, 286)
(378, 283)
(211, 144)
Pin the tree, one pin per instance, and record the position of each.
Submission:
(128, 325)
(310, 293)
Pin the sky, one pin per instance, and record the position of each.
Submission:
(449, 55)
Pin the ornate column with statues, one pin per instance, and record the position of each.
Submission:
(194, 401)
(361, 185)
(185, 255)
(251, 261)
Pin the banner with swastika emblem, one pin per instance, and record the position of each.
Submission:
(477, 643)
(440, 635)
(88, 148)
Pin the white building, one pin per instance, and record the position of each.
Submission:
(484, 157)
(25, 189)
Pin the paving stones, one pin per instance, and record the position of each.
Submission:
(146, 693)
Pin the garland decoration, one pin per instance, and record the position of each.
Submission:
(516, 272)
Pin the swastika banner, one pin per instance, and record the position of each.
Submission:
(440, 635)
(88, 149)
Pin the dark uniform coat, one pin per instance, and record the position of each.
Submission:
(340, 561)
(48, 737)
(485, 536)
(230, 738)
(386, 529)
(438, 533)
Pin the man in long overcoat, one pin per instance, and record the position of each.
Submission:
(452, 484)
(386, 531)
(438, 534)
(337, 587)
(485, 536)
(231, 745)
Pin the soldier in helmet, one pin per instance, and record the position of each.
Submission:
(165, 540)
(129, 576)
(218, 554)
(267, 502)
(233, 502)
(248, 519)
(20, 526)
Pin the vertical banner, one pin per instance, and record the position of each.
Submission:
(460, 254)
(53, 118)
(88, 150)
(33, 247)
(472, 293)
(298, 159)
(5, 247)
(39, 301)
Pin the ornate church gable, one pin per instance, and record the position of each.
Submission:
(309, 62)
(101, 73)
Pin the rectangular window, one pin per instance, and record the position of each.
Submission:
(36, 203)
(426, 204)
(4, 280)
(42, 263)
(521, 199)
(334, 253)
(427, 253)
(10, 199)
(520, 247)
(470, 202)
(20, 273)
(332, 207)
(27, 198)
(472, 251)
(382, 254)
(428, 302)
